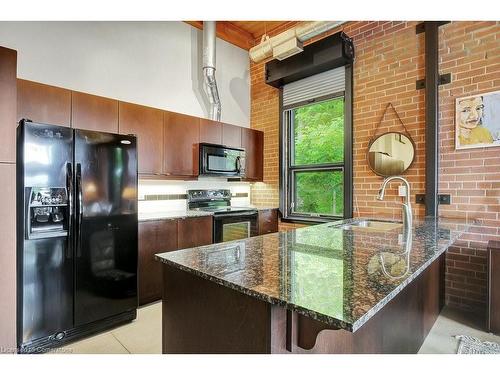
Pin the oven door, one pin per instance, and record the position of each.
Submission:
(217, 160)
(234, 226)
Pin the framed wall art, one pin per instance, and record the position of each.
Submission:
(477, 121)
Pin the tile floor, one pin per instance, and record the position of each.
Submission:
(450, 323)
(144, 334)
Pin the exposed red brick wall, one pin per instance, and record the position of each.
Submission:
(470, 51)
(389, 59)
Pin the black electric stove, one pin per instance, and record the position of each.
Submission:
(230, 222)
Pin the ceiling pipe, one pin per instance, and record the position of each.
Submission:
(302, 32)
(209, 58)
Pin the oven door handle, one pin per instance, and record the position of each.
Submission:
(242, 215)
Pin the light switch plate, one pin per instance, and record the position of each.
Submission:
(402, 190)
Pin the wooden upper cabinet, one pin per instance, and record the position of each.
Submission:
(43, 103)
(8, 98)
(147, 125)
(210, 131)
(231, 135)
(92, 112)
(253, 143)
(181, 136)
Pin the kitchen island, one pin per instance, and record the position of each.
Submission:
(343, 287)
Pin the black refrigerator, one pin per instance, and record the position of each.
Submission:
(76, 233)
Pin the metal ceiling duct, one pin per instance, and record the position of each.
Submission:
(209, 35)
(290, 39)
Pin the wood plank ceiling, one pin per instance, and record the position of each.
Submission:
(244, 34)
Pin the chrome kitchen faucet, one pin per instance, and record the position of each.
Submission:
(407, 215)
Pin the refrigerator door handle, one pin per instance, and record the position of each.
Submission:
(80, 210)
(69, 187)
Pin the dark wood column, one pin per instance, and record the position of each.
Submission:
(431, 117)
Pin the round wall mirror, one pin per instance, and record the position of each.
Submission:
(391, 154)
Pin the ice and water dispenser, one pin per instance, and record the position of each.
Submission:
(48, 212)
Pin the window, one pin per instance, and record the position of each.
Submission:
(315, 167)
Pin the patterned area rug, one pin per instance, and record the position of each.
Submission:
(471, 345)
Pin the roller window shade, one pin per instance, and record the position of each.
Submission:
(318, 85)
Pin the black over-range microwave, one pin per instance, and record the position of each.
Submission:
(217, 160)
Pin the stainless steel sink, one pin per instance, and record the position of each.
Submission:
(368, 224)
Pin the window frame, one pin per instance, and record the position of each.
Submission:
(287, 170)
(293, 187)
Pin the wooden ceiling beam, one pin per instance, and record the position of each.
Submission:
(230, 33)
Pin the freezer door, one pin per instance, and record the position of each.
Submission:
(105, 225)
(44, 263)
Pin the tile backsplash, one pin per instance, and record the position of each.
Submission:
(162, 195)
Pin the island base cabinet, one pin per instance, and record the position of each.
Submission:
(202, 316)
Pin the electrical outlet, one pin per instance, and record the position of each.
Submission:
(444, 199)
(420, 199)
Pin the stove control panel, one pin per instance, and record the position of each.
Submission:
(207, 195)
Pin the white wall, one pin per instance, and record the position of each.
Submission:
(151, 63)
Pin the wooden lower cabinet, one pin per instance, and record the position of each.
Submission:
(161, 236)
(268, 221)
(154, 237)
(194, 231)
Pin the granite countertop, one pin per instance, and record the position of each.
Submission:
(179, 214)
(338, 276)
(151, 216)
